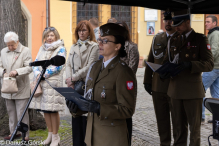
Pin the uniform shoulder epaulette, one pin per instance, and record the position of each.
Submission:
(160, 33)
(122, 63)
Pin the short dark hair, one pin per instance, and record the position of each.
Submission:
(94, 21)
(213, 18)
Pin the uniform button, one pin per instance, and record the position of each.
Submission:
(112, 124)
(105, 117)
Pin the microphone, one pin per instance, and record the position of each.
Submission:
(56, 61)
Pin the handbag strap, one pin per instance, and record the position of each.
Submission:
(17, 57)
(73, 63)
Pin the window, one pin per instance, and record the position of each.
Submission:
(86, 12)
(128, 15)
(121, 13)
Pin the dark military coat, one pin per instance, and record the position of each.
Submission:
(150, 77)
(118, 83)
(188, 83)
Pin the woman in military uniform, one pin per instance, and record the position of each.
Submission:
(111, 92)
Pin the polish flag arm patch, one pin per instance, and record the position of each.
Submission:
(130, 85)
(208, 47)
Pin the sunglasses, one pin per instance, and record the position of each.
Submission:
(49, 28)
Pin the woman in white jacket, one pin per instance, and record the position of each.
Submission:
(50, 102)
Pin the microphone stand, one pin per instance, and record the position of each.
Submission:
(22, 127)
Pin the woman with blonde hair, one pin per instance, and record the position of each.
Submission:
(50, 102)
(83, 53)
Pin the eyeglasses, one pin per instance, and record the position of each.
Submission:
(83, 31)
(104, 41)
(49, 28)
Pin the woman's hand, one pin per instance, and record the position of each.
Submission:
(38, 76)
(69, 82)
(13, 73)
(72, 86)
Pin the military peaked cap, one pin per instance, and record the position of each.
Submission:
(177, 20)
(167, 15)
(112, 29)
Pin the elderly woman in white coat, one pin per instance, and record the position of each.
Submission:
(50, 102)
(14, 60)
(85, 51)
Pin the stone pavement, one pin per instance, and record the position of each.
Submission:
(144, 121)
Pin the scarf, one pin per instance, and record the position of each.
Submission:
(47, 46)
(80, 42)
(213, 29)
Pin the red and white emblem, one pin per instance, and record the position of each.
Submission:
(208, 46)
(130, 85)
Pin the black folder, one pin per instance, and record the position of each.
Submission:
(167, 67)
(71, 95)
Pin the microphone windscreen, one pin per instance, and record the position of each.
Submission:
(57, 60)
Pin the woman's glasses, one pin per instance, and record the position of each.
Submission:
(83, 31)
(104, 41)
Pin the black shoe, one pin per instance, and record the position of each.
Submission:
(210, 121)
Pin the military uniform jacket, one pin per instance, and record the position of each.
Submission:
(188, 83)
(150, 77)
(118, 83)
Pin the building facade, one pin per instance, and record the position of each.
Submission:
(34, 18)
(65, 15)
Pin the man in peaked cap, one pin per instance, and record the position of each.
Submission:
(190, 50)
(155, 86)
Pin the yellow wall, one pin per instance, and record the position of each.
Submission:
(105, 13)
(144, 40)
(198, 26)
(61, 19)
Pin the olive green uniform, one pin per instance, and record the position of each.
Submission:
(162, 104)
(115, 89)
(186, 89)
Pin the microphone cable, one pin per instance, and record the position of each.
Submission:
(209, 140)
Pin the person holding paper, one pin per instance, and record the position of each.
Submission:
(192, 52)
(110, 92)
(155, 86)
